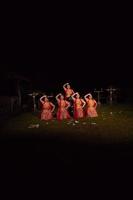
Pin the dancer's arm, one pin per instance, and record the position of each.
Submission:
(42, 98)
(64, 86)
(84, 103)
(68, 104)
(95, 104)
(72, 92)
(73, 98)
(53, 107)
(57, 96)
(85, 97)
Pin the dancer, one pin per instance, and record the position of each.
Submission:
(68, 91)
(68, 96)
(63, 105)
(79, 104)
(47, 108)
(91, 106)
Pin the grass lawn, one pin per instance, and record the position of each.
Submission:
(114, 124)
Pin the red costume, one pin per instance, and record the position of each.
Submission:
(46, 113)
(62, 112)
(78, 110)
(68, 92)
(91, 108)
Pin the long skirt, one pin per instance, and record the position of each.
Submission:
(91, 112)
(46, 114)
(62, 114)
(78, 113)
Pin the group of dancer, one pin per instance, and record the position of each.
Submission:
(70, 104)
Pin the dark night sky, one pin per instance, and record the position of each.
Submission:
(81, 74)
(88, 53)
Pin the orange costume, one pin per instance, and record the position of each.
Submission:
(78, 110)
(62, 112)
(68, 92)
(46, 111)
(91, 108)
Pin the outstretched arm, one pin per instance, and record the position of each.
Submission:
(83, 103)
(57, 96)
(42, 98)
(64, 86)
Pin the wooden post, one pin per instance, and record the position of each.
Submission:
(98, 95)
(111, 90)
(33, 95)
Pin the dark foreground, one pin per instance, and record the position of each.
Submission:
(43, 162)
(55, 165)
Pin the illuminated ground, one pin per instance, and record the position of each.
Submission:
(114, 124)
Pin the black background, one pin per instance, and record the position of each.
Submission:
(87, 49)
(94, 48)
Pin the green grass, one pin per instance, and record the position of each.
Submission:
(114, 124)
